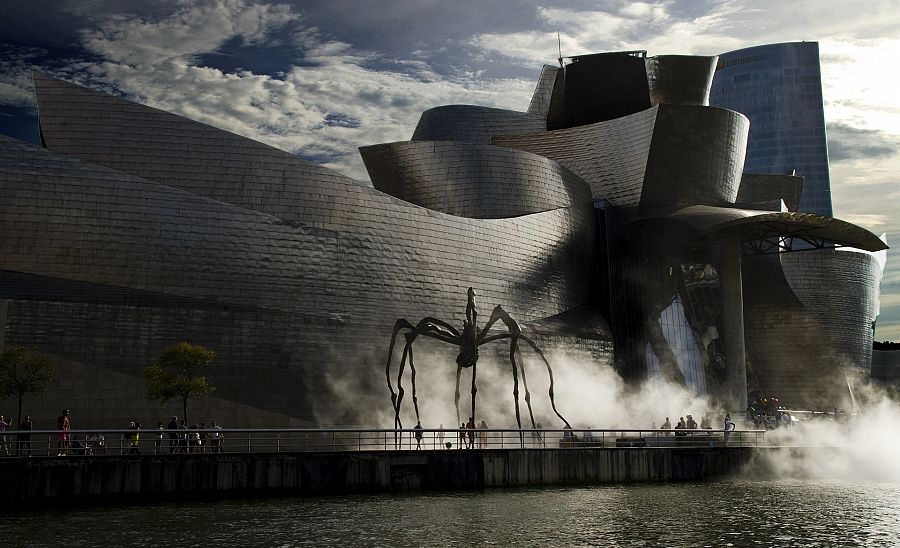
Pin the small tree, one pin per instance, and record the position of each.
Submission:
(174, 375)
(24, 371)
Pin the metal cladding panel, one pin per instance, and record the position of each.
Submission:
(808, 321)
(321, 296)
(543, 92)
(605, 86)
(696, 157)
(168, 149)
(758, 187)
(610, 156)
(680, 79)
(474, 124)
(471, 180)
(840, 289)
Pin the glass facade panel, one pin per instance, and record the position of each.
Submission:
(779, 88)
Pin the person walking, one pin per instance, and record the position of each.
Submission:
(728, 427)
(134, 441)
(470, 426)
(157, 442)
(217, 437)
(173, 434)
(64, 425)
(417, 433)
(482, 434)
(25, 437)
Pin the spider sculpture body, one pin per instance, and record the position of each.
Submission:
(468, 342)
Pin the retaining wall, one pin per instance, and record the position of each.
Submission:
(105, 479)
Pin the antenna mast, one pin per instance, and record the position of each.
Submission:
(559, 45)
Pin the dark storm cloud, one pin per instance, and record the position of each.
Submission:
(850, 143)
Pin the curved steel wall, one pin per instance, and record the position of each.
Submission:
(680, 79)
(757, 187)
(808, 324)
(473, 124)
(610, 156)
(840, 289)
(469, 180)
(696, 157)
(258, 248)
(603, 87)
(543, 92)
(648, 159)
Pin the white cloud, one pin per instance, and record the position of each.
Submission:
(15, 75)
(288, 111)
(193, 28)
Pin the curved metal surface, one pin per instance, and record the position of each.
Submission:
(604, 86)
(472, 180)
(543, 91)
(251, 250)
(759, 187)
(680, 79)
(647, 160)
(808, 324)
(474, 124)
(700, 221)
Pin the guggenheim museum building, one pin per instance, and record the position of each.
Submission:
(668, 217)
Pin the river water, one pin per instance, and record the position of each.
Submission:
(723, 513)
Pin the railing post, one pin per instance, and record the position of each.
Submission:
(278, 442)
(249, 436)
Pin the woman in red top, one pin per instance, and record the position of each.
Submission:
(63, 425)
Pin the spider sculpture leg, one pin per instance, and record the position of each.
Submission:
(456, 397)
(427, 327)
(550, 373)
(515, 333)
(525, 385)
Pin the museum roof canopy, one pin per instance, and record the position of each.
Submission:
(759, 231)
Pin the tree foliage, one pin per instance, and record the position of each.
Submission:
(24, 371)
(175, 375)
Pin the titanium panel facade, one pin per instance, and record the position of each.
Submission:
(543, 92)
(473, 124)
(757, 187)
(779, 88)
(470, 180)
(680, 79)
(666, 156)
(309, 300)
(139, 229)
(808, 318)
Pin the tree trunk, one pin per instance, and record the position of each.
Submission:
(184, 410)
(19, 418)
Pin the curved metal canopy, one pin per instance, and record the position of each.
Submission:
(759, 231)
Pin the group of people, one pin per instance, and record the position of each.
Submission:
(15, 447)
(182, 438)
(190, 439)
(467, 435)
(691, 424)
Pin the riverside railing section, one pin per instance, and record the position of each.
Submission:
(53, 443)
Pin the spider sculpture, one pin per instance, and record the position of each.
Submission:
(468, 342)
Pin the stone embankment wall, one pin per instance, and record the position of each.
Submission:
(105, 479)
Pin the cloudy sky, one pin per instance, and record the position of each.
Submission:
(320, 78)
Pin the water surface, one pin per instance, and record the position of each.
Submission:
(726, 513)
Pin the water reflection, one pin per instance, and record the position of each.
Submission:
(738, 513)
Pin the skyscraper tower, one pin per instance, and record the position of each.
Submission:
(779, 88)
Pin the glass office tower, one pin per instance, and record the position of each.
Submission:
(779, 88)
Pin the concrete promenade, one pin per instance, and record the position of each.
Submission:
(39, 482)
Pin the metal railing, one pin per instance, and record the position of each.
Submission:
(50, 443)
